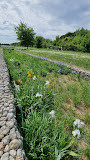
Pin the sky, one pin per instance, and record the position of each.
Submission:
(48, 18)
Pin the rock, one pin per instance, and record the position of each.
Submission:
(3, 118)
(2, 146)
(6, 104)
(4, 130)
(6, 148)
(5, 156)
(15, 144)
(11, 158)
(6, 140)
(1, 136)
(10, 124)
(13, 134)
(1, 153)
(2, 123)
(10, 116)
(18, 134)
(13, 153)
(19, 153)
(5, 114)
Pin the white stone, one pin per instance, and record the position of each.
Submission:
(11, 158)
(6, 140)
(5, 156)
(5, 114)
(2, 123)
(19, 153)
(15, 144)
(13, 153)
(4, 130)
(6, 104)
(6, 148)
(1, 136)
(10, 124)
(10, 115)
(1, 153)
(3, 118)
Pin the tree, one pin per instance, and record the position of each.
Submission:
(39, 41)
(25, 35)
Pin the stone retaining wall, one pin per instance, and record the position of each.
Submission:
(11, 142)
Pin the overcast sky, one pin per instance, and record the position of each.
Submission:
(48, 18)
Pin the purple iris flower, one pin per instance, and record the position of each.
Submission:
(59, 70)
(59, 63)
(70, 63)
(73, 71)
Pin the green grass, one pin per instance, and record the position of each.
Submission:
(45, 137)
(78, 59)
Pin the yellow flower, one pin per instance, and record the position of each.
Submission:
(31, 69)
(48, 86)
(32, 72)
(47, 73)
(27, 72)
(49, 80)
(37, 75)
(19, 80)
(29, 75)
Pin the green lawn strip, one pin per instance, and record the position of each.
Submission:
(78, 59)
(44, 136)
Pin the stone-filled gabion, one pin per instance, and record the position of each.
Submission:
(11, 142)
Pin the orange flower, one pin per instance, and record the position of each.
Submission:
(18, 80)
(21, 82)
(48, 86)
(37, 75)
(49, 80)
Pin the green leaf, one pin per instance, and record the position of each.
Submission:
(73, 154)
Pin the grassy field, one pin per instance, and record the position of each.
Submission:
(78, 59)
(52, 108)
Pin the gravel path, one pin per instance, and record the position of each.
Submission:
(83, 73)
(11, 145)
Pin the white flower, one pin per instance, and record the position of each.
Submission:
(76, 132)
(52, 113)
(79, 123)
(82, 124)
(38, 95)
(47, 83)
(34, 77)
(11, 60)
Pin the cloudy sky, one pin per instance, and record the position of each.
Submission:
(48, 18)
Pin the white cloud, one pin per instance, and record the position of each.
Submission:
(47, 18)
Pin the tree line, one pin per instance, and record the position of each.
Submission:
(76, 41)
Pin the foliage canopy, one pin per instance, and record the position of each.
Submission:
(25, 34)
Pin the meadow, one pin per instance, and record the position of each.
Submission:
(77, 59)
(52, 105)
